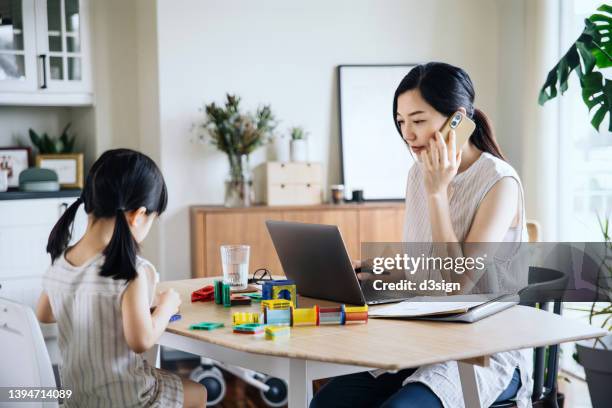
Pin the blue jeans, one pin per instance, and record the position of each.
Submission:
(386, 391)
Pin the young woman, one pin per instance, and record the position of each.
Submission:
(456, 194)
(100, 292)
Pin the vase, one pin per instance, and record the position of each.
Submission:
(299, 150)
(239, 184)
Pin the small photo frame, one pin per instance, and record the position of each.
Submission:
(68, 166)
(14, 160)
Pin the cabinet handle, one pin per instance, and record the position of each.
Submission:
(43, 57)
(63, 207)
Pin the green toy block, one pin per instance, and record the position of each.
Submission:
(227, 295)
(206, 326)
(218, 292)
(255, 297)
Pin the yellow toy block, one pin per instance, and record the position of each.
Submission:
(275, 304)
(356, 309)
(275, 332)
(306, 316)
(245, 318)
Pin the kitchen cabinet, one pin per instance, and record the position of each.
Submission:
(45, 55)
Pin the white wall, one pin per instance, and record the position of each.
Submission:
(285, 53)
(16, 120)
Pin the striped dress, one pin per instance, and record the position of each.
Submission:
(466, 191)
(98, 366)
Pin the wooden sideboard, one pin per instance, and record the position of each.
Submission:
(213, 226)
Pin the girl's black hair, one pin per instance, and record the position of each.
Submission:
(120, 180)
(447, 88)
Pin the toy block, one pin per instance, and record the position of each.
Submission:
(238, 300)
(175, 317)
(306, 316)
(246, 317)
(255, 297)
(226, 292)
(282, 317)
(206, 326)
(280, 289)
(330, 315)
(356, 314)
(277, 332)
(275, 304)
(218, 291)
(249, 328)
(356, 309)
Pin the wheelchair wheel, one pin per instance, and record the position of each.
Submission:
(211, 378)
(277, 395)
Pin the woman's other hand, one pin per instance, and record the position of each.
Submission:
(440, 164)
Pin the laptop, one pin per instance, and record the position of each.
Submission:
(314, 256)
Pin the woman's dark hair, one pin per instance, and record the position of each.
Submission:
(447, 88)
(120, 180)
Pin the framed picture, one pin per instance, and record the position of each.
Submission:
(14, 160)
(68, 166)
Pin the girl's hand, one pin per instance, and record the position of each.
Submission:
(440, 164)
(170, 298)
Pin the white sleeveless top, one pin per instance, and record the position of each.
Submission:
(98, 365)
(466, 191)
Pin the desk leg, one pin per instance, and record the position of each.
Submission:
(300, 388)
(467, 373)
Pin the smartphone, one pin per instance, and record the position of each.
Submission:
(462, 125)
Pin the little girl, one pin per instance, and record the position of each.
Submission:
(100, 291)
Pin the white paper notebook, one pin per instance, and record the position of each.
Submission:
(447, 305)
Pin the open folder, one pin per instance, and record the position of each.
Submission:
(459, 308)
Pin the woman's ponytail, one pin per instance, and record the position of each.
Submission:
(62, 231)
(483, 137)
(120, 254)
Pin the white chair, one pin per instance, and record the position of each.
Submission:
(23, 353)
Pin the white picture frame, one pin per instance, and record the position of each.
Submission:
(15, 160)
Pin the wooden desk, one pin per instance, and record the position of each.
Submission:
(325, 351)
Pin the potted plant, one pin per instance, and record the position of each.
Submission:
(588, 57)
(237, 135)
(299, 144)
(596, 355)
(57, 153)
(64, 143)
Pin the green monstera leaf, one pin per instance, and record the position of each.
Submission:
(590, 53)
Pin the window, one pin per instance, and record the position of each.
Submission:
(585, 173)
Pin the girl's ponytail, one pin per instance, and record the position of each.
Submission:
(62, 231)
(120, 254)
(483, 137)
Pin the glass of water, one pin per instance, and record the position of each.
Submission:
(235, 262)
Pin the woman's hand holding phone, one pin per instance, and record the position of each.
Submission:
(440, 163)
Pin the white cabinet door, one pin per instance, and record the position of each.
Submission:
(18, 70)
(24, 230)
(63, 39)
(45, 56)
